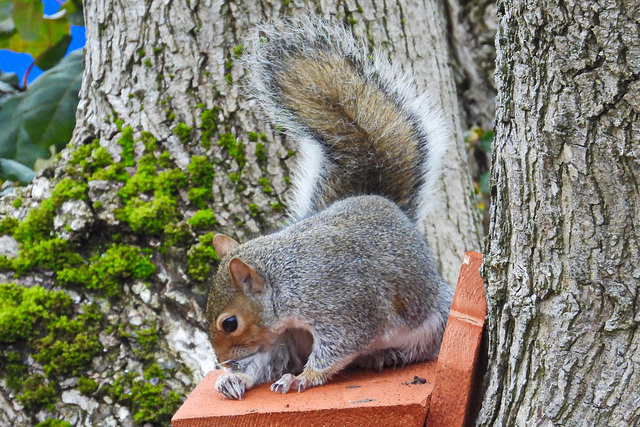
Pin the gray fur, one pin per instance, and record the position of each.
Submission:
(338, 273)
(330, 170)
(353, 281)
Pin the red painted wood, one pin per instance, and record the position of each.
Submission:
(361, 398)
(453, 389)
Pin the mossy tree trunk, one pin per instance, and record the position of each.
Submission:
(180, 59)
(167, 150)
(561, 265)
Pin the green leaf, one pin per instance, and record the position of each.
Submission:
(486, 140)
(74, 9)
(9, 86)
(52, 56)
(485, 181)
(28, 18)
(14, 171)
(5, 36)
(51, 31)
(5, 9)
(11, 79)
(43, 115)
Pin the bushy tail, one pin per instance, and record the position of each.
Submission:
(361, 126)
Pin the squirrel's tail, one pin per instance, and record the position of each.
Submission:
(360, 123)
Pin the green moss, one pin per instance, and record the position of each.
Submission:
(82, 153)
(114, 173)
(202, 220)
(238, 51)
(87, 385)
(261, 152)
(178, 234)
(100, 158)
(40, 323)
(38, 225)
(23, 310)
(52, 255)
(109, 270)
(229, 78)
(234, 147)
(199, 196)
(165, 159)
(144, 213)
(149, 397)
(148, 339)
(70, 344)
(277, 206)
(15, 369)
(201, 171)
(50, 422)
(68, 189)
(147, 62)
(126, 142)
(235, 177)
(265, 185)
(8, 224)
(184, 132)
(143, 181)
(17, 202)
(149, 217)
(201, 256)
(150, 142)
(37, 392)
(208, 125)
(168, 181)
(6, 263)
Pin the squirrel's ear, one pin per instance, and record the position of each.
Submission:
(223, 244)
(245, 277)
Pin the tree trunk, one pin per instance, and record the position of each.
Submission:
(161, 88)
(471, 32)
(561, 264)
(191, 59)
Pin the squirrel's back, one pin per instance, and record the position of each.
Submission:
(360, 123)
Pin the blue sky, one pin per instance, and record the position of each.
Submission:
(12, 62)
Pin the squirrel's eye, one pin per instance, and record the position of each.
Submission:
(230, 324)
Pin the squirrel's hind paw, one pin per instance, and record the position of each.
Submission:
(287, 382)
(231, 385)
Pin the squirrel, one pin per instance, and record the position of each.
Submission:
(351, 280)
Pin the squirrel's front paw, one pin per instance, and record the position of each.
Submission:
(232, 386)
(287, 382)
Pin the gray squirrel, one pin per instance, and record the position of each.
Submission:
(352, 281)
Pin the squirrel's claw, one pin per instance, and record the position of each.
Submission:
(288, 381)
(231, 386)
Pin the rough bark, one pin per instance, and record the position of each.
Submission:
(561, 264)
(156, 66)
(471, 34)
(194, 42)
